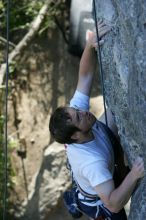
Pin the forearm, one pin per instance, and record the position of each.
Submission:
(88, 61)
(86, 70)
(120, 196)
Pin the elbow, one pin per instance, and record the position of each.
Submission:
(114, 205)
(113, 209)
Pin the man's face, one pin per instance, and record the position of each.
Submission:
(84, 120)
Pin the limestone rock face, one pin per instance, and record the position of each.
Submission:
(124, 65)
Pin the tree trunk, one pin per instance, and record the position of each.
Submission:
(124, 65)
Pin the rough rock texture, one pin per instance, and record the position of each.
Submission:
(124, 65)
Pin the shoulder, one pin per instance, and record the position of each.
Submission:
(80, 100)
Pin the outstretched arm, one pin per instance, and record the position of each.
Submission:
(88, 60)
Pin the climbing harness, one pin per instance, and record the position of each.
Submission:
(100, 61)
(6, 114)
(75, 198)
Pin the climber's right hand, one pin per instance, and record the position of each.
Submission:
(138, 168)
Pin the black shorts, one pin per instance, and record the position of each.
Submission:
(120, 215)
(92, 211)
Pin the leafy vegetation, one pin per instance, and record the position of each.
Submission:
(10, 170)
(23, 12)
(1, 163)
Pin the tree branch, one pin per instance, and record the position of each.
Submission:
(4, 41)
(35, 25)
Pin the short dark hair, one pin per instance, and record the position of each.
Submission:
(60, 128)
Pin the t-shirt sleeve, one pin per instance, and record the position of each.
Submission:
(97, 172)
(80, 100)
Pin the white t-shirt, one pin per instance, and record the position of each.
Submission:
(92, 162)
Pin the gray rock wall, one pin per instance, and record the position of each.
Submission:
(124, 65)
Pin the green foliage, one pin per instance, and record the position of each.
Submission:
(12, 67)
(56, 10)
(10, 170)
(1, 161)
(23, 12)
